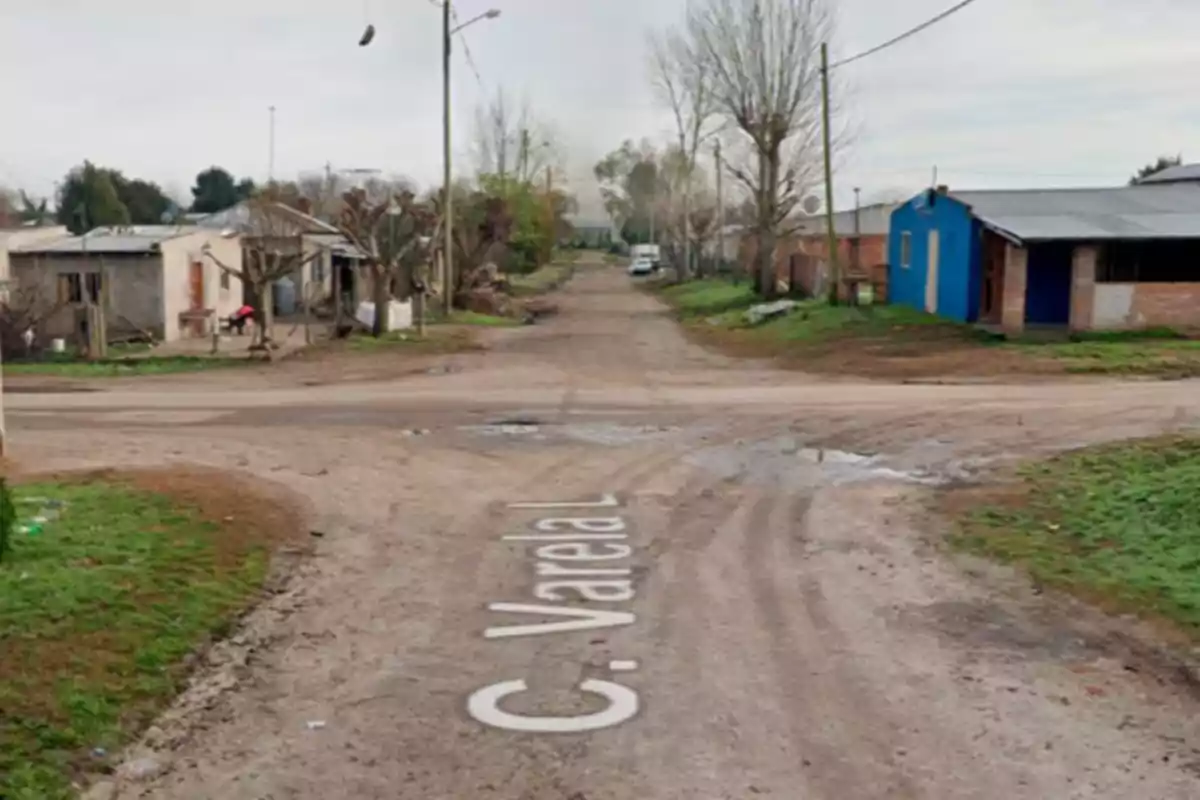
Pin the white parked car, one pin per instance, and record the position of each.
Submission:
(641, 266)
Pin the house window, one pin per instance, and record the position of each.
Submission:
(905, 249)
(1152, 261)
(93, 282)
(72, 287)
(224, 281)
(318, 270)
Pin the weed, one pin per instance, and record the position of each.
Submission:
(99, 611)
(1116, 524)
(8, 519)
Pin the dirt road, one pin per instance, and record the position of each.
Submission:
(767, 617)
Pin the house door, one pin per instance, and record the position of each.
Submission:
(991, 300)
(931, 274)
(196, 283)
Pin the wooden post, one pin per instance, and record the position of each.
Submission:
(830, 233)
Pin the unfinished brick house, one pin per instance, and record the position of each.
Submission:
(1081, 259)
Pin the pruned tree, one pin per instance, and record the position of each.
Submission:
(483, 224)
(684, 83)
(24, 309)
(763, 57)
(273, 248)
(396, 237)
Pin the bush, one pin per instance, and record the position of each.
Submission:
(8, 518)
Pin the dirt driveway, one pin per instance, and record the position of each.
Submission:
(765, 617)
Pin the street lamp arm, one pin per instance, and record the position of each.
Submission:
(491, 13)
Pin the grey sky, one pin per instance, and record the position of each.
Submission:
(1006, 93)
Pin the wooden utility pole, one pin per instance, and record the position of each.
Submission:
(447, 198)
(831, 234)
(550, 210)
(720, 209)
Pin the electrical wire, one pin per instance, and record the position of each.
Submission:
(466, 48)
(911, 32)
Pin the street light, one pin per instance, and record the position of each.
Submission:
(448, 30)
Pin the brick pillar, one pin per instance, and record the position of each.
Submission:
(1083, 286)
(1016, 260)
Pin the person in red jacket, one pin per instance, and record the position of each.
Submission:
(239, 318)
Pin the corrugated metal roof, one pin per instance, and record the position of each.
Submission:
(1184, 172)
(873, 220)
(241, 218)
(127, 240)
(1170, 211)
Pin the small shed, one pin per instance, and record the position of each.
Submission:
(1086, 259)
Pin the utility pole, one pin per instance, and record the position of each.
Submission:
(271, 148)
(720, 209)
(857, 232)
(831, 234)
(447, 199)
(550, 210)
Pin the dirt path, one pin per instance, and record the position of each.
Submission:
(774, 623)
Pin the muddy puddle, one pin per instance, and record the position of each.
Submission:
(788, 462)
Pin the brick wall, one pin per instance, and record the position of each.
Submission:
(1083, 286)
(1172, 305)
(1012, 315)
(813, 252)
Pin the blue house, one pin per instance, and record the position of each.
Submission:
(1078, 258)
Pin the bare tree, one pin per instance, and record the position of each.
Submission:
(397, 237)
(24, 309)
(273, 248)
(763, 58)
(684, 82)
(511, 143)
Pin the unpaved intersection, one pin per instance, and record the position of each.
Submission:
(774, 609)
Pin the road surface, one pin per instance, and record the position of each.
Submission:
(742, 601)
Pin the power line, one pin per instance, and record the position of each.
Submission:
(466, 48)
(911, 32)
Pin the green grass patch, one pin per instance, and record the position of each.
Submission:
(542, 280)
(1117, 524)
(816, 321)
(480, 320)
(708, 298)
(99, 608)
(1160, 351)
(437, 340)
(72, 367)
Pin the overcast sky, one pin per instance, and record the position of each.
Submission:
(1006, 93)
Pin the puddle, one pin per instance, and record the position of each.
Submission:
(504, 429)
(612, 434)
(788, 462)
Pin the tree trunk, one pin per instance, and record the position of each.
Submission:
(382, 296)
(265, 320)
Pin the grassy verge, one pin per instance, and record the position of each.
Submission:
(102, 604)
(1116, 525)
(474, 319)
(720, 305)
(900, 342)
(71, 367)
(1166, 357)
(436, 341)
(542, 280)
